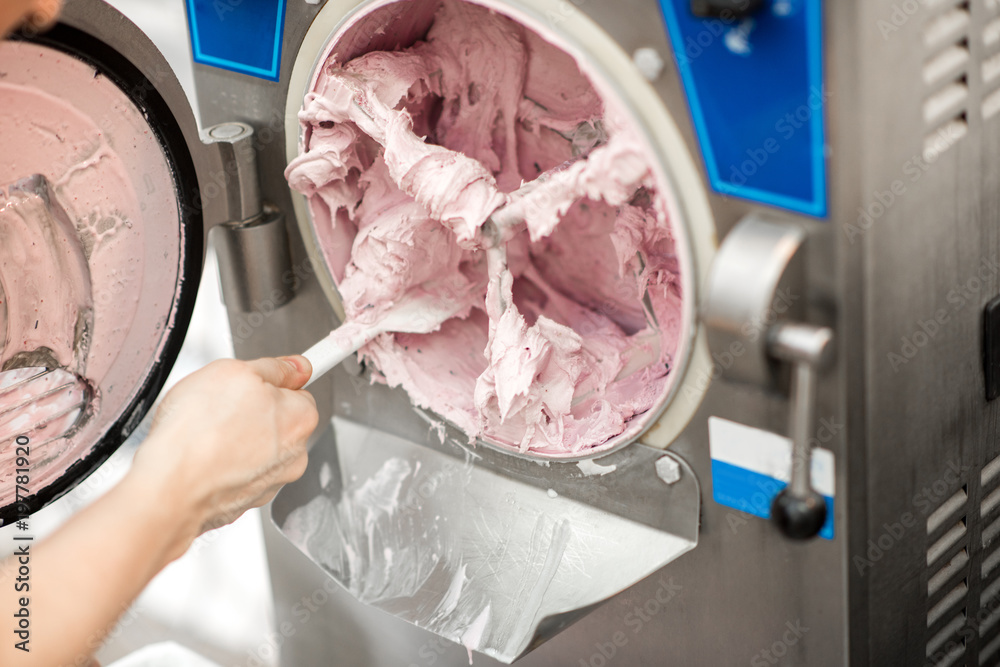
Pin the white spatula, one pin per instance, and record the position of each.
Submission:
(421, 311)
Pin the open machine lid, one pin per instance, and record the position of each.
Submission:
(93, 107)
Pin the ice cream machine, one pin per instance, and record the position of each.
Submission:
(776, 219)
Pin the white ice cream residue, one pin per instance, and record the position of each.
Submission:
(590, 467)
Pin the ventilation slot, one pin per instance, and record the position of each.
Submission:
(938, 641)
(948, 102)
(988, 479)
(948, 64)
(990, 532)
(950, 26)
(948, 540)
(945, 137)
(990, 563)
(989, 593)
(947, 510)
(988, 651)
(946, 643)
(942, 517)
(989, 597)
(990, 472)
(989, 621)
(949, 562)
(947, 646)
(949, 659)
(982, 605)
(945, 73)
(989, 503)
(991, 104)
(991, 35)
(957, 564)
(951, 599)
(989, 69)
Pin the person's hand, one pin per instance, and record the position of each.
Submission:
(32, 15)
(227, 437)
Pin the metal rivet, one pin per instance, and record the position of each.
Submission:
(649, 62)
(668, 469)
(226, 131)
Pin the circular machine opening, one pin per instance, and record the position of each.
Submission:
(78, 113)
(588, 345)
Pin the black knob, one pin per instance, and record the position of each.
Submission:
(726, 9)
(799, 517)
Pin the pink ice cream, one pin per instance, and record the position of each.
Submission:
(98, 314)
(44, 268)
(407, 152)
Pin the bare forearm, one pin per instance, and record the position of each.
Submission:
(223, 440)
(87, 574)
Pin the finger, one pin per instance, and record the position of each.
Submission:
(298, 467)
(300, 362)
(44, 14)
(298, 410)
(281, 372)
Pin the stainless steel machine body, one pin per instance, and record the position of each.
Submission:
(909, 438)
(899, 262)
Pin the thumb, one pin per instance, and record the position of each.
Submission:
(285, 372)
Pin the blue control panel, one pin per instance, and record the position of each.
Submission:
(239, 35)
(756, 94)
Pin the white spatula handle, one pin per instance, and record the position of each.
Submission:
(342, 342)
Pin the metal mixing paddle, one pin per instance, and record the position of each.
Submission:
(40, 398)
(42, 404)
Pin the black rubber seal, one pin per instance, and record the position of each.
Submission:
(118, 69)
(991, 348)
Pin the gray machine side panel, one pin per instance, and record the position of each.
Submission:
(843, 261)
(929, 267)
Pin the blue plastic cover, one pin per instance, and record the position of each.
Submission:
(752, 492)
(239, 35)
(756, 94)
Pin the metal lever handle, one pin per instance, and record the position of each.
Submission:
(798, 509)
